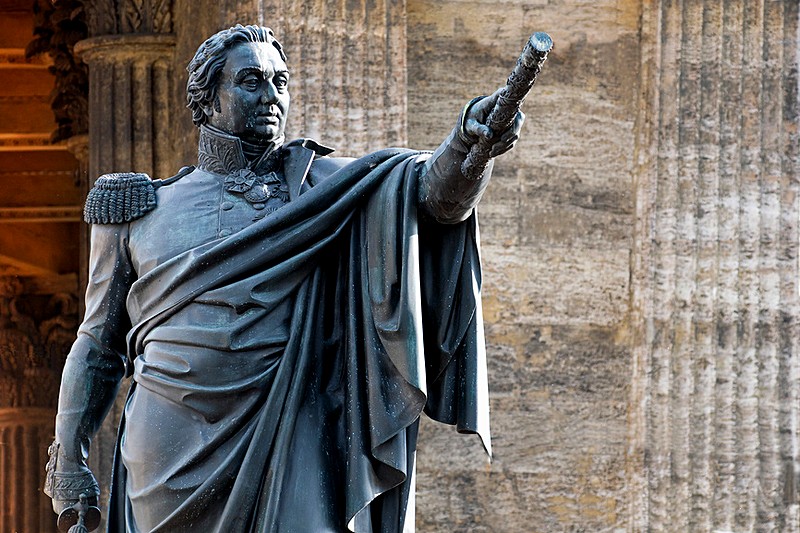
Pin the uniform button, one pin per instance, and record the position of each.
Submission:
(225, 233)
(227, 206)
(259, 206)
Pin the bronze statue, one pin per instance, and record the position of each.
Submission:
(285, 315)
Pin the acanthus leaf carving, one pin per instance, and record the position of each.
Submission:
(36, 332)
(58, 26)
(102, 16)
(146, 16)
(110, 17)
(132, 16)
(162, 16)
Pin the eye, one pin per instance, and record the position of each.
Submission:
(250, 82)
(281, 81)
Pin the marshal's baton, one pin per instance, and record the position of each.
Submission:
(518, 85)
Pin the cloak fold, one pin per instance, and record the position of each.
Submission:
(385, 322)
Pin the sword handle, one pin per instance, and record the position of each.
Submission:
(80, 518)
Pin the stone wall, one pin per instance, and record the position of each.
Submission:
(556, 230)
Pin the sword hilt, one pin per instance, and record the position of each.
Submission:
(80, 518)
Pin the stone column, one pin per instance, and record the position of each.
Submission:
(715, 269)
(129, 107)
(37, 326)
(25, 434)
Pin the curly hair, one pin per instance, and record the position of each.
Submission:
(208, 61)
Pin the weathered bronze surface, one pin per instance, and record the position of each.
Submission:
(286, 316)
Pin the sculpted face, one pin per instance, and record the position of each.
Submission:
(253, 94)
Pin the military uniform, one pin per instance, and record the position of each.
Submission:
(274, 309)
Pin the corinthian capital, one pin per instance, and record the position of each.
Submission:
(109, 17)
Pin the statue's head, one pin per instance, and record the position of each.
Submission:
(238, 83)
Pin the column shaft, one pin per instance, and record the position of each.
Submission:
(716, 276)
(128, 80)
(25, 434)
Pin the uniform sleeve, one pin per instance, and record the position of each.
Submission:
(444, 193)
(95, 364)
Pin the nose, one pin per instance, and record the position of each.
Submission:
(270, 94)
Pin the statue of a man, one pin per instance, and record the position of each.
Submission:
(286, 316)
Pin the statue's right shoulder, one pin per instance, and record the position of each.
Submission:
(124, 196)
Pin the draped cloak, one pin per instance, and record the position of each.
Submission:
(353, 316)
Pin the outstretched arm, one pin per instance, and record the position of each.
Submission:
(445, 194)
(94, 368)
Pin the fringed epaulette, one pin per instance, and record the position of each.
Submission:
(123, 197)
(119, 197)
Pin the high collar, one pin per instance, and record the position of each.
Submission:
(223, 153)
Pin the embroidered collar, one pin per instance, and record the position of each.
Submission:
(256, 180)
(224, 154)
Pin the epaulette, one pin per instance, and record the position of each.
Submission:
(125, 196)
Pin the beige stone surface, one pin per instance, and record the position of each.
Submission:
(556, 228)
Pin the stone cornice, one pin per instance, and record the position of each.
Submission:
(15, 58)
(40, 214)
(29, 416)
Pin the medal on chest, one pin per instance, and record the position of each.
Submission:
(257, 189)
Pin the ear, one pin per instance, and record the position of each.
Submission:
(208, 109)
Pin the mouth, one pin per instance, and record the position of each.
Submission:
(268, 119)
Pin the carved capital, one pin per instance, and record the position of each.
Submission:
(58, 26)
(108, 17)
(36, 332)
(122, 47)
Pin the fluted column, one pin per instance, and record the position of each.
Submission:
(25, 434)
(716, 268)
(129, 79)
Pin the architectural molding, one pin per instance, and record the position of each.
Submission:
(41, 214)
(13, 142)
(15, 58)
(121, 47)
(109, 17)
(36, 333)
